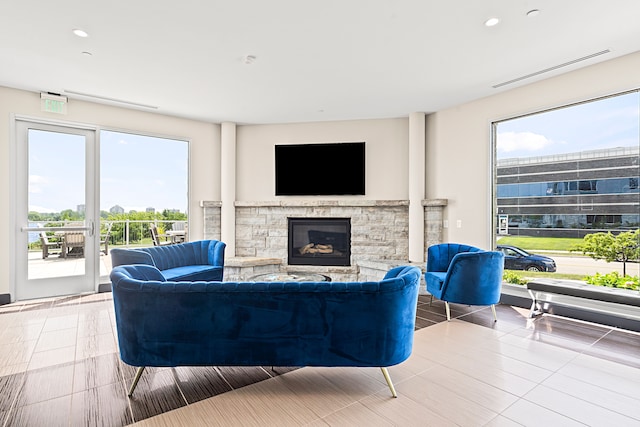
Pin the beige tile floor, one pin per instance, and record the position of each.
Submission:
(460, 374)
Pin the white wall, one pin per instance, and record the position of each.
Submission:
(387, 148)
(204, 138)
(459, 142)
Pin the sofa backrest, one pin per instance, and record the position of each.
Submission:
(201, 252)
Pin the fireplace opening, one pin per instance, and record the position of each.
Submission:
(319, 241)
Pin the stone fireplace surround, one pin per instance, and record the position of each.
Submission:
(379, 234)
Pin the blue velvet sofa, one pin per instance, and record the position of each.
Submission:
(199, 260)
(203, 323)
(464, 274)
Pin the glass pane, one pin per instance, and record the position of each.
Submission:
(56, 198)
(571, 171)
(143, 190)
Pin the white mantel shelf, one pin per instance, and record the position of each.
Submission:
(323, 203)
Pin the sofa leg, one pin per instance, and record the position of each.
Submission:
(389, 383)
(446, 306)
(135, 380)
(495, 316)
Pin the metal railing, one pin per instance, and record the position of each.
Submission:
(125, 233)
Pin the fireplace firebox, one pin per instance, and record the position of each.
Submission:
(319, 241)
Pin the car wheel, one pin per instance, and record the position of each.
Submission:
(533, 268)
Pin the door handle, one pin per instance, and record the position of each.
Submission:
(28, 229)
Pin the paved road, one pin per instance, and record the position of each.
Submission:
(589, 266)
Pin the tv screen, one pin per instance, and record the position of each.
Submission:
(320, 169)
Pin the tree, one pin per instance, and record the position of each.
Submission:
(622, 248)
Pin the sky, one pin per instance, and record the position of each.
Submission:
(608, 123)
(137, 172)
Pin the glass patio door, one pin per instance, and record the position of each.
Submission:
(57, 248)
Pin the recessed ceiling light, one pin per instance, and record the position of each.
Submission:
(80, 33)
(533, 12)
(491, 22)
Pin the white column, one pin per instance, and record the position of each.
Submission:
(228, 187)
(417, 160)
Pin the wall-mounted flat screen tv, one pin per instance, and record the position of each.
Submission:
(325, 169)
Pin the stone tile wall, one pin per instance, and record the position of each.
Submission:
(379, 230)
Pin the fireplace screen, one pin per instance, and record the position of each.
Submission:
(320, 241)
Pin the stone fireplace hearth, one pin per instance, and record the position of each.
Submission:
(379, 232)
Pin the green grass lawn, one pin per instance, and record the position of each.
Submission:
(536, 275)
(541, 243)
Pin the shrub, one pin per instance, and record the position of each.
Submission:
(514, 278)
(614, 280)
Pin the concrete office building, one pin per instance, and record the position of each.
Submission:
(570, 195)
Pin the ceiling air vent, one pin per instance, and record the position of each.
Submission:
(555, 67)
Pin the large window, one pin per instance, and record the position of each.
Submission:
(570, 171)
(143, 181)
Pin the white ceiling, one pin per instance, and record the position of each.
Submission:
(314, 60)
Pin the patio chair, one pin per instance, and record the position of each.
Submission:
(155, 236)
(48, 245)
(73, 245)
(178, 232)
(104, 239)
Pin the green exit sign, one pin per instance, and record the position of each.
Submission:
(52, 103)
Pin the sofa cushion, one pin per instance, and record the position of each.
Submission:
(192, 273)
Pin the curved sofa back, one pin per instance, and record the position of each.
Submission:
(163, 323)
(440, 256)
(201, 252)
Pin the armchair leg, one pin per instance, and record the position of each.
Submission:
(135, 380)
(446, 306)
(389, 383)
(430, 300)
(493, 308)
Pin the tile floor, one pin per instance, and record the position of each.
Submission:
(59, 367)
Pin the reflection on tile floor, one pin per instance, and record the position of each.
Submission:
(59, 366)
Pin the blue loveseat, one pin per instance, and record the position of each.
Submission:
(200, 260)
(204, 323)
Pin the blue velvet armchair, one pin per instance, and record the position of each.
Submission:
(464, 274)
